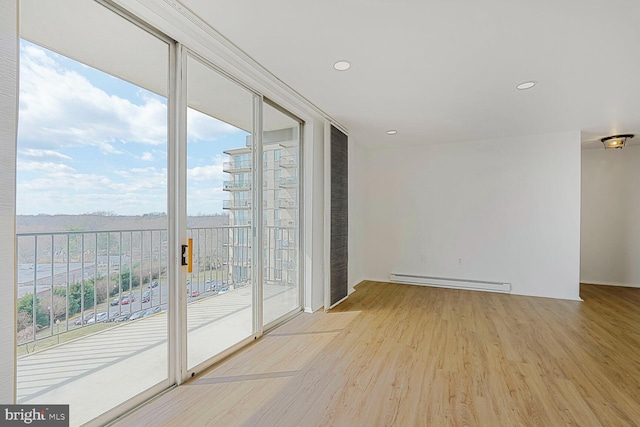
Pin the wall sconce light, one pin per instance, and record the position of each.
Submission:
(616, 141)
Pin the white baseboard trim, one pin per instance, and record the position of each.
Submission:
(600, 282)
(445, 282)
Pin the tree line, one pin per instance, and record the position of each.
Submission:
(83, 295)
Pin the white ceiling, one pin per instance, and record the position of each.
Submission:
(445, 71)
(91, 34)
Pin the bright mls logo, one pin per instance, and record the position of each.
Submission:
(36, 415)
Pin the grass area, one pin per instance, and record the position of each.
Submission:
(63, 337)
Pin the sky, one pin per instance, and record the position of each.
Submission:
(90, 142)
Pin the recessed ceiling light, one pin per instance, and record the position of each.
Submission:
(342, 65)
(392, 132)
(616, 141)
(526, 85)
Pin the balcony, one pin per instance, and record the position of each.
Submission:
(236, 185)
(287, 204)
(293, 144)
(101, 300)
(106, 266)
(288, 162)
(237, 166)
(289, 182)
(287, 244)
(236, 204)
(287, 223)
(289, 265)
(285, 265)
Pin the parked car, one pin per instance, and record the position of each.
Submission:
(83, 319)
(152, 310)
(136, 315)
(115, 301)
(195, 293)
(127, 299)
(147, 295)
(154, 284)
(121, 318)
(215, 286)
(100, 317)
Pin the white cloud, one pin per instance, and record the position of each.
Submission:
(61, 108)
(70, 132)
(209, 173)
(49, 169)
(61, 189)
(205, 200)
(43, 154)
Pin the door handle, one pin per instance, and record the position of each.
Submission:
(187, 255)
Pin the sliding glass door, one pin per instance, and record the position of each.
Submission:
(219, 287)
(92, 229)
(281, 213)
(128, 151)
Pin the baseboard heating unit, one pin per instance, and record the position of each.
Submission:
(442, 282)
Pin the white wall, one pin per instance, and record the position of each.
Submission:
(315, 216)
(8, 120)
(610, 226)
(357, 211)
(499, 210)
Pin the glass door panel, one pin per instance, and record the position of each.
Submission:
(219, 213)
(281, 197)
(91, 207)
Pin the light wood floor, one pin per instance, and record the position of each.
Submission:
(417, 356)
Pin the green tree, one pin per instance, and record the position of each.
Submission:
(25, 311)
(127, 279)
(75, 296)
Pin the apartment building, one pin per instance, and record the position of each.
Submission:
(280, 210)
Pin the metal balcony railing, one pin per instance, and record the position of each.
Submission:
(69, 280)
(288, 265)
(289, 182)
(288, 161)
(236, 204)
(72, 280)
(289, 243)
(287, 204)
(289, 223)
(236, 185)
(236, 165)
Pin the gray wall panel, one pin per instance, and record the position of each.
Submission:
(339, 215)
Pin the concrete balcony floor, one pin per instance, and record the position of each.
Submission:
(98, 372)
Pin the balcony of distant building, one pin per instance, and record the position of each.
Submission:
(236, 185)
(236, 204)
(242, 165)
